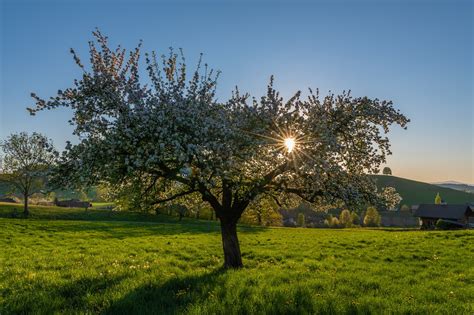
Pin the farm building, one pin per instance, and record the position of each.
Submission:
(7, 199)
(429, 214)
(398, 218)
(72, 203)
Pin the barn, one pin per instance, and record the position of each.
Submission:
(72, 203)
(429, 214)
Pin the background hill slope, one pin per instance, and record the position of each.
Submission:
(414, 192)
(457, 186)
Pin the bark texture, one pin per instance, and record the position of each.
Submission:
(230, 244)
(26, 211)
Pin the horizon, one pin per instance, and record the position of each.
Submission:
(416, 54)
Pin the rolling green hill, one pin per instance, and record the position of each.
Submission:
(414, 192)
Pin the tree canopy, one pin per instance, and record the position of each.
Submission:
(372, 217)
(170, 132)
(391, 198)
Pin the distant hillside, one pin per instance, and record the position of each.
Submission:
(457, 186)
(414, 192)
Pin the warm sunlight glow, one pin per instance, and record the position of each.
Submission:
(290, 144)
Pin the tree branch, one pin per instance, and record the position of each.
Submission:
(302, 194)
(181, 194)
(266, 180)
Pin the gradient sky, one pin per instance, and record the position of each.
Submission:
(418, 54)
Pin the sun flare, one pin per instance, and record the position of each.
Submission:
(290, 144)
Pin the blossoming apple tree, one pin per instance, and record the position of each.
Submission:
(169, 133)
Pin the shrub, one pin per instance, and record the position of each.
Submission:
(334, 223)
(301, 220)
(345, 218)
(372, 217)
(405, 208)
(355, 219)
(444, 225)
(289, 222)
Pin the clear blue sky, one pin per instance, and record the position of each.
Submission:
(418, 54)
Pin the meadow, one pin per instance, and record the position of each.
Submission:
(72, 261)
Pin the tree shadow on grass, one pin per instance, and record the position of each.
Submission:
(124, 229)
(92, 295)
(396, 229)
(64, 297)
(219, 292)
(170, 297)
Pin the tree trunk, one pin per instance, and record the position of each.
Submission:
(259, 218)
(230, 244)
(26, 212)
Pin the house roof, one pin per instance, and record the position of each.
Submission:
(443, 211)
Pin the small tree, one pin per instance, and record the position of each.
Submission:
(194, 205)
(438, 199)
(387, 171)
(372, 217)
(26, 163)
(301, 220)
(391, 198)
(345, 218)
(334, 223)
(328, 220)
(405, 208)
(355, 219)
(181, 210)
(263, 211)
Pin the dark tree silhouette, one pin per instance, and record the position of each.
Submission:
(387, 171)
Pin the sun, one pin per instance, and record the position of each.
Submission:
(290, 144)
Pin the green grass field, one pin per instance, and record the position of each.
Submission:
(103, 262)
